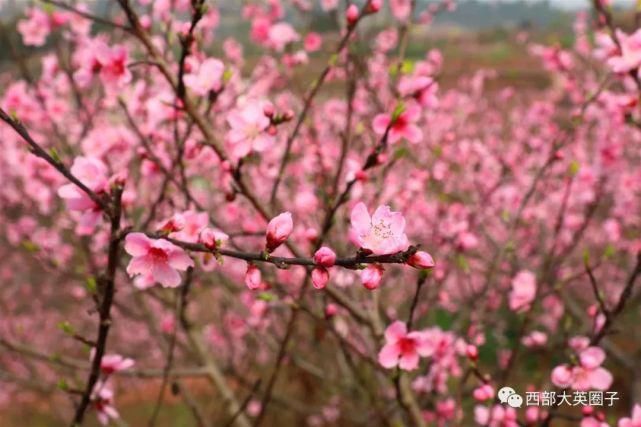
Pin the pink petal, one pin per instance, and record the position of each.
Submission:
(180, 260)
(140, 265)
(380, 123)
(409, 361)
(166, 276)
(600, 379)
(360, 219)
(395, 331)
(413, 134)
(137, 244)
(592, 357)
(388, 356)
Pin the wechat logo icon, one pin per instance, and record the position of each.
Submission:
(508, 395)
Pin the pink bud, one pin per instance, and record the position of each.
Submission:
(483, 392)
(268, 109)
(374, 6)
(288, 115)
(361, 175)
(278, 230)
(352, 14)
(212, 238)
(271, 130)
(325, 257)
(472, 352)
(372, 276)
(253, 277)
(331, 310)
(173, 224)
(167, 324)
(421, 260)
(320, 277)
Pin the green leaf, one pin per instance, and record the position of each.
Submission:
(267, 296)
(30, 247)
(91, 285)
(227, 75)
(407, 67)
(401, 152)
(66, 327)
(62, 384)
(574, 168)
(400, 109)
(609, 251)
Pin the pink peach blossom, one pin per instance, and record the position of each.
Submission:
(205, 77)
(403, 349)
(158, 259)
(634, 421)
(403, 126)
(248, 130)
(92, 172)
(523, 290)
(383, 233)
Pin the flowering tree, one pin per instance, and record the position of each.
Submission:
(252, 232)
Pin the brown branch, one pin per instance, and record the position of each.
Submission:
(106, 292)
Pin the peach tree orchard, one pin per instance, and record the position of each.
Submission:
(296, 227)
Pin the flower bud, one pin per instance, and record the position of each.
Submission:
(421, 260)
(331, 310)
(372, 276)
(472, 352)
(212, 239)
(351, 14)
(268, 109)
(253, 278)
(374, 6)
(278, 230)
(325, 257)
(320, 277)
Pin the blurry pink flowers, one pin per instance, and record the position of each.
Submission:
(247, 132)
(634, 421)
(629, 58)
(282, 34)
(403, 349)
(92, 172)
(383, 233)
(115, 363)
(36, 28)
(403, 126)
(587, 375)
(523, 291)
(102, 397)
(157, 259)
(205, 77)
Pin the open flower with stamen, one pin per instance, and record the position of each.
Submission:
(156, 258)
(383, 233)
